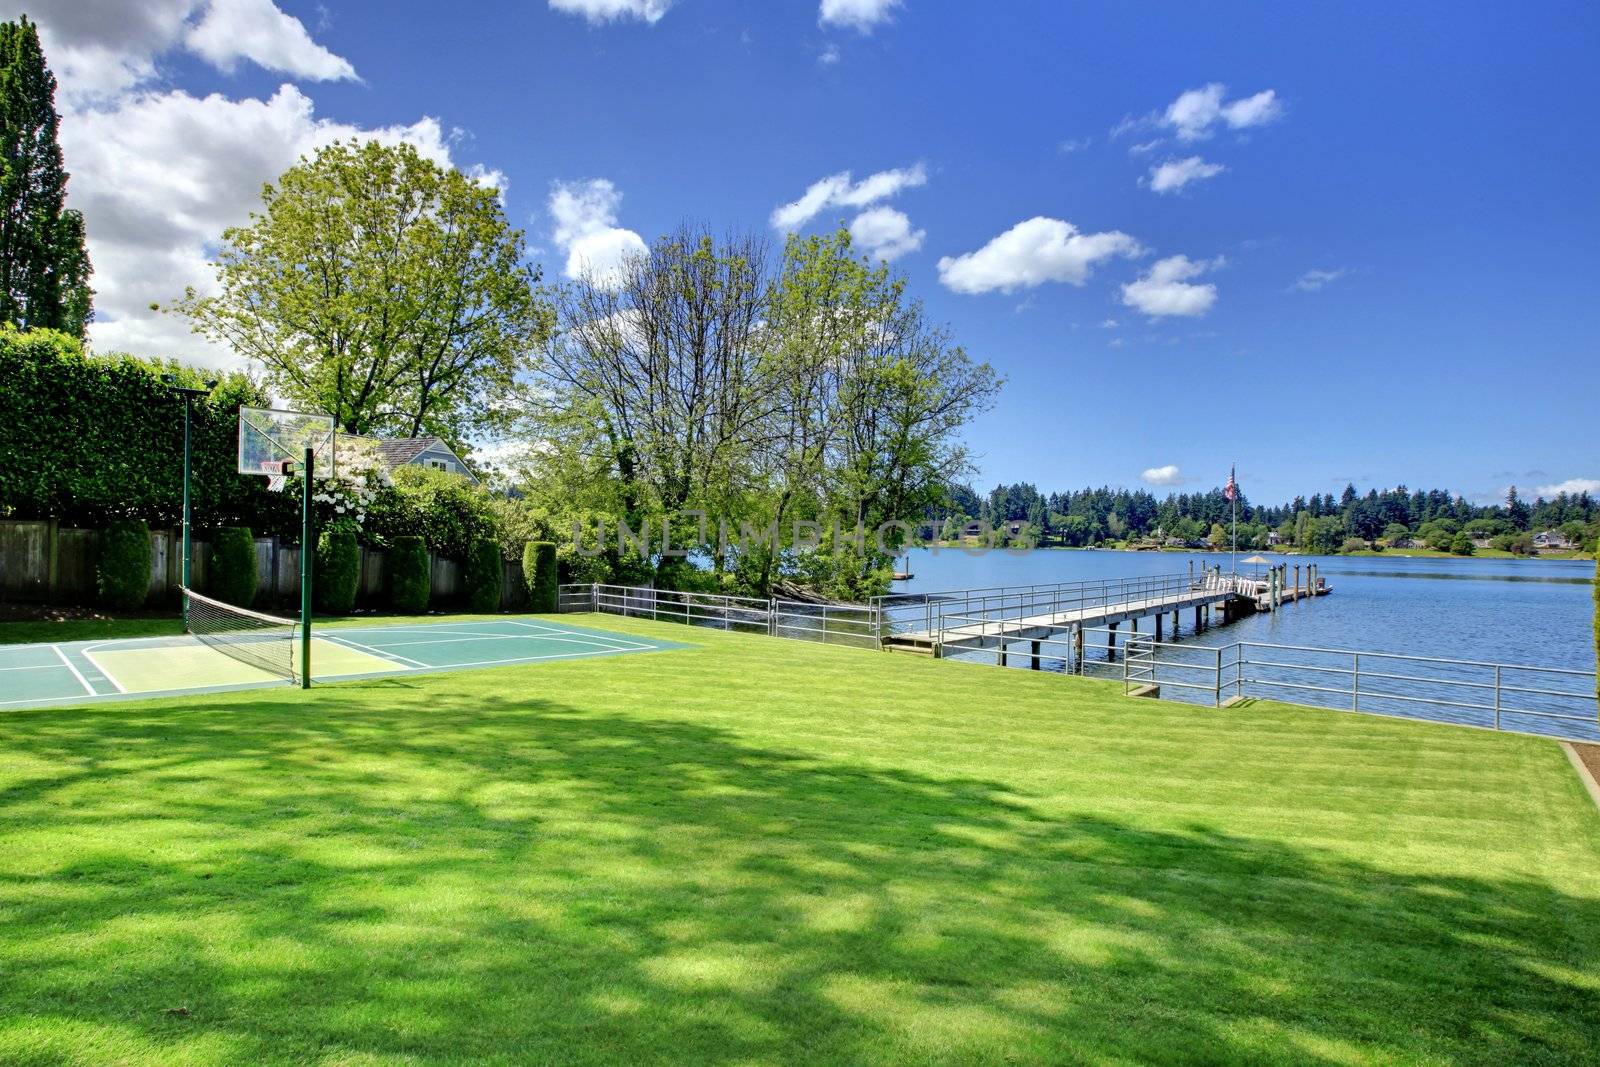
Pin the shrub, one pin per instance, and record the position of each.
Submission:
(338, 567)
(445, 509)
(232, 574)
(485, 573)
(539, 570)
(410, 577)
(1462, 545)
(1353, 544)
(122, 573)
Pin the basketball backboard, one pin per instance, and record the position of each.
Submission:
(268, 437)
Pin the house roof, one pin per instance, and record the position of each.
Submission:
(398, 451)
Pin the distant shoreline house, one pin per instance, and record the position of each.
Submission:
(1552, 539)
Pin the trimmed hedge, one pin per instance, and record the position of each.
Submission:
(231, 577)
(91, 439)
(122, 572)
(410, 577)
(338, 573)
(484, 574)
(539, 571)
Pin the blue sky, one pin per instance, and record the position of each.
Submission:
(1387, 234)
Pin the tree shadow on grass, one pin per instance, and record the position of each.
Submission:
(467, 880)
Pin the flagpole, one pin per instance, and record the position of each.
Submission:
(1233, 498)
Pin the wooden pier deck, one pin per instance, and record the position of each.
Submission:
(995, 628)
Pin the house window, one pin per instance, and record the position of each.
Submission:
(439, 464)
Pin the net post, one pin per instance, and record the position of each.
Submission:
(188, 406)
(306, 550)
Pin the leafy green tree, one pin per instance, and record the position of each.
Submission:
(1461, 545)
(446, 510)
(1324, 536)
(44, 269)
(382, 288)
(1218, 537)
(1396, 532)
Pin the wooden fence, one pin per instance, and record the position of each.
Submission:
(43, 562)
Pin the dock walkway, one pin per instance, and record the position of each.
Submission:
(993, 619)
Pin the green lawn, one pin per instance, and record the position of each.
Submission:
(104, 628)
(763, 851)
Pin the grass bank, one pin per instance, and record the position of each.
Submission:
(763, 851)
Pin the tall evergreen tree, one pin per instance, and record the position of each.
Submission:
(44, 269)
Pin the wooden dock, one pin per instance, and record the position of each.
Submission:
(996, 627)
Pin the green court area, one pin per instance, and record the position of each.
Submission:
(33, 675)
(763, 851)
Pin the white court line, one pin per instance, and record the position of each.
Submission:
(380, 653)
(463, 638)
(419, 627)
(530, 659)
(101, 667)
(455, 635)
(618, 641)
(35, 667)
(78, 674)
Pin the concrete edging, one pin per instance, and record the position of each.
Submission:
(1583, 773)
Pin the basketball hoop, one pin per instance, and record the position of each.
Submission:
(273, 443)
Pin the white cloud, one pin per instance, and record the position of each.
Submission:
(1174, 174)
(1165, 290)
(1194, 113)
(1315, 279)
(1031, 253)
(1144, 148)
(256, 30)
(885, 233)
(861, 15)
(837, 190)
(1168, 475)
(1074, 144)
(1571, 487)
(585, 215)
(602, 11)
(1108, 324)
(161, 175)
(100, 48)
(829, 56)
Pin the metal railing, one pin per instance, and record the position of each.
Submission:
(1549, 701)
(851, 624)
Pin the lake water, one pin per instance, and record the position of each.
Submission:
(1536, 612)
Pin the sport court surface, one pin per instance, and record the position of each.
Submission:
(77, 672)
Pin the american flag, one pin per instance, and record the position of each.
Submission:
(1233, 486)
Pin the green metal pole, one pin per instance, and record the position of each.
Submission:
(306, 549)
(188, 405)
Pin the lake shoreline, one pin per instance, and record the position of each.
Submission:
(973, 547)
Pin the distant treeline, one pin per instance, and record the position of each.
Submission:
(1433, 518)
